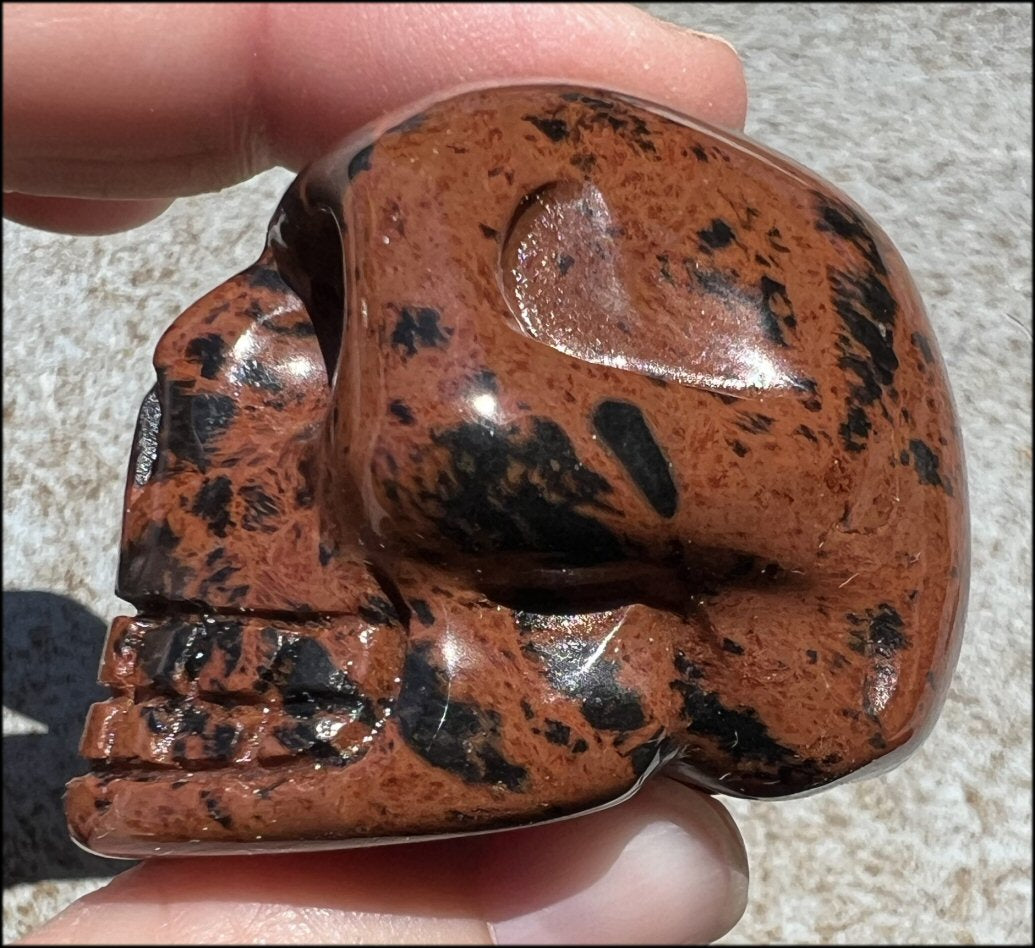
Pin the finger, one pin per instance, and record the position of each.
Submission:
(129, 101)
(667, 866)
(76, 216)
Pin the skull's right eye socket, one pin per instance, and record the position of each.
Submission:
(600, 279)
(308, 248)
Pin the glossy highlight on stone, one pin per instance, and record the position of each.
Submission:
(554, 439)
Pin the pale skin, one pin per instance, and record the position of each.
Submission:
(111, 113)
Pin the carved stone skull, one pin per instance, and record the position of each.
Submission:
(553, 439)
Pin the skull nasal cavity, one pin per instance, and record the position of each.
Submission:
(307, 246)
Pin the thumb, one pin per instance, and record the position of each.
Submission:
(665, 867)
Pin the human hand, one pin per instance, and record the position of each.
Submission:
(111, 113)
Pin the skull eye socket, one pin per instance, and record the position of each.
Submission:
(603, 280)
(562, 272)
(307, 245)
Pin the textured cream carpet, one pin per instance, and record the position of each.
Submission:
(920, 112)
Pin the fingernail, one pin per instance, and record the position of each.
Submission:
(666, 886)
(700, 34)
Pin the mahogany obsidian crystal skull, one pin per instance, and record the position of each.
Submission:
(554, 438)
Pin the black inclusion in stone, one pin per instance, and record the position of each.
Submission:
(613, 708)
(625, 431)
(209, 351)
(259, 508)
(360, 161)
(253, 373)
(301, 330)
(753, 422)
(553, 128)
(156, 720)
(880, 632)
(297, 738)
(215, 811)
(557, 733)
(149, 568)
(923, 344)
(886, 630)
(220, 746)
(740, 733)
(229, 640)
(775, 303)
(842, 220)
(855, 429)
(267, 278)
(422, 611)
(307, 667)
(184, 647)
(456, 736)
(190, 719)
(418, 328)
(485, 380)
(410, 124)
(221, 575)
(926, 463)
(644, 756)
(606, 703)
(172, 649)
(717, 236)
(193, 422)
(309, 679)
(743, 735)
(378, 611)
(866, 307)
(212, 504)
(507, 491)
(868, 311)
(401, 411)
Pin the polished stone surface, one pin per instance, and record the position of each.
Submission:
(937, 97)
(645, 455)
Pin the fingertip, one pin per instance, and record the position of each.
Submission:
(714, 84)
(87, 217)
(666, 867)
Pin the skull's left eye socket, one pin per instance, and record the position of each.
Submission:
(307, 245)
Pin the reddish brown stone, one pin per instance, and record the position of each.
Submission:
(637, 450)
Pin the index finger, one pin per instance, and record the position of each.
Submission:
(135, 101)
